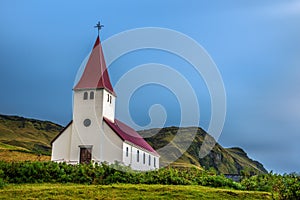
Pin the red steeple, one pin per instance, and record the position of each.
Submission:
(95, 75)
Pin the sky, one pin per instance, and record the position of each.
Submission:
(255, 45)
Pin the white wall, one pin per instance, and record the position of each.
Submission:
(131, 159)
(61, 146)
(82, 135)
(112, 145)
(127, 158)
(109, 102)
(107, 146)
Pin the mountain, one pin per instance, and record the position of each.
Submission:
(223, 160)
(29, 139)
(27, 135)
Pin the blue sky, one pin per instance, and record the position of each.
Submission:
(255, 44)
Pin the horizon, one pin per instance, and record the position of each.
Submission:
(255, 45)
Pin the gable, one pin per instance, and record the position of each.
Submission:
(63, 130)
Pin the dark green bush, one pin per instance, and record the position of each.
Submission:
(262, 182)
(51, 172)
(287, 186)
(2, 183)
(290, 187)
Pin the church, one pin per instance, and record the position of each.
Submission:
(94, 134)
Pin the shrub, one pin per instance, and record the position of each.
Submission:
(290, 187)
(287, 186)
(51, 172)
(2, 183)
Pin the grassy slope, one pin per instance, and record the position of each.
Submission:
(11, 153)
(224, 160)
(29, 134)
(123, 191)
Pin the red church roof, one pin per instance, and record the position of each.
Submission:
(95, 75)
(128, 134)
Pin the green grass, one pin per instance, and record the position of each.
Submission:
(29, 134)
(123, 191)
(10, 147)
(13, 155)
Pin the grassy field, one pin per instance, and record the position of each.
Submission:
(123, 191)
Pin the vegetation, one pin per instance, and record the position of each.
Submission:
(11, 153)
(223, 160)
(27, 135)
(123, 191)
(51, 172)
(287, 186)
(96, 182)
(281, 186)
(24, 139)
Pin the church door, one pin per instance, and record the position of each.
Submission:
(85, 155)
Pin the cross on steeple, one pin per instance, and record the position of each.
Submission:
(99, 26)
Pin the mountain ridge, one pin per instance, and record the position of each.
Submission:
(232, 160)
(20, 134)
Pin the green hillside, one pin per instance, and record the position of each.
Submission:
(22, 134)
(223, 160)
(25, 139)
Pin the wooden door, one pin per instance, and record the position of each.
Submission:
(85, 155)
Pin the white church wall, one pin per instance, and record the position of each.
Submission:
(156, 166)
(109, 105)
(137, 161)
(86, 134)
(61, 146)
(112, 145)
(127, 154)
(74, 146)
(85, 108)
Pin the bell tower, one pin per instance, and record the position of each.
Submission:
(94, 99)
(94, 94)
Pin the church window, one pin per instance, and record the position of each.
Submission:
(87, 122)
(92, 95)
(110, 99)
(138, 156)
(85, 96)
(149, 160)
(126, 151)
(154, 162)
(107, 97)
(144, 158)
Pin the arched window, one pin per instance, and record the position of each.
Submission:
(107, 97)
(85, 96)
(149, 160)
(154, 162)
(92, 95)
(138, 156)
(144, 158)
(126, 151)
(110, 99)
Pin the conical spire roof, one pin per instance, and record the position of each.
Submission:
(95, 75)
